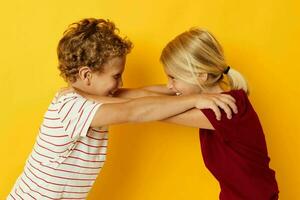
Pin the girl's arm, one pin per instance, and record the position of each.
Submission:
(152, 90)
(162, 89)
(192, 118)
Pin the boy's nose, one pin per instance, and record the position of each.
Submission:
(120, 84)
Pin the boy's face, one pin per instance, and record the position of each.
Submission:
(109, 80)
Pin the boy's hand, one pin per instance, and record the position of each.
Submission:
(217, 101)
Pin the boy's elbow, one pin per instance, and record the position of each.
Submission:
(134, 112)
(134, 117)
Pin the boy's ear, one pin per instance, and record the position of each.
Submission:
(85, 74)
(202, 77)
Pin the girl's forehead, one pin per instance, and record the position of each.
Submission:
(168, 71)
(176, 71)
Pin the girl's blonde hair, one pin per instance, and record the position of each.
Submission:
(197, 51)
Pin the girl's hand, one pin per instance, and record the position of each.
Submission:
(217, 101)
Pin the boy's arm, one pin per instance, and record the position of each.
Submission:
(143, 109)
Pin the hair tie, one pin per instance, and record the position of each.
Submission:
(226, 70)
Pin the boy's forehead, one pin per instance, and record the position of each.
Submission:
(115, 64)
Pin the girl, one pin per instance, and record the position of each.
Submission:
(71, 145)
(233, 150)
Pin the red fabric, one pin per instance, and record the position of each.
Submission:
(236, 153)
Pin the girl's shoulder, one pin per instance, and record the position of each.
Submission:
(240, 95)
(242, 101)
(238, 92)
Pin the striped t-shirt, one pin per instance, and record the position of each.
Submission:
(68, 153)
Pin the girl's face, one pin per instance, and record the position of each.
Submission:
(180, 87)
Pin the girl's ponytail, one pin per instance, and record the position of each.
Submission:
(236, 80)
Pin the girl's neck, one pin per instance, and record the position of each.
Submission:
(214, 89)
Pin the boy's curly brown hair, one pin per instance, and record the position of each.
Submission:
(90, 42)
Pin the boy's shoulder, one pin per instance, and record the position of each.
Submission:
(66, 94)
(64, 91)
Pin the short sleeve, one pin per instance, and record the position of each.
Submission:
(76, 115)
(220, 126)
(228, 128)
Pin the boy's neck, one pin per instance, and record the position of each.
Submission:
(78, 88)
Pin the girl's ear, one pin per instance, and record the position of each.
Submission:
(202, 77)
(85, 74)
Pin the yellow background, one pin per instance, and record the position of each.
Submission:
(153, 161)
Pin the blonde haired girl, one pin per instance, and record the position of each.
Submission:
(234, 150)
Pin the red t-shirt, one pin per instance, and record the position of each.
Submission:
(236, 153)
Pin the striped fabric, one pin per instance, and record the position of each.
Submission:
(68, 154)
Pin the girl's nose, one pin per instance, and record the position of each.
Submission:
(169, 85)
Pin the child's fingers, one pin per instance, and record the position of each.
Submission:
(230, 102)
(224, 106)
(216, 110)
(228, 97)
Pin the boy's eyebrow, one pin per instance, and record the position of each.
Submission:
(118, 72)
